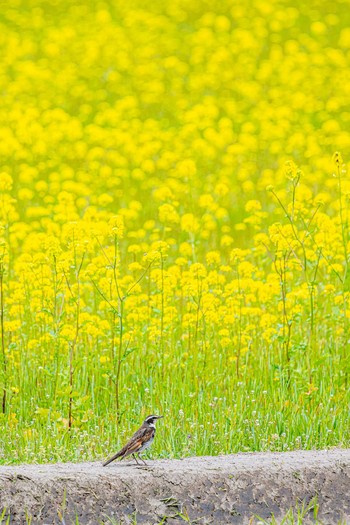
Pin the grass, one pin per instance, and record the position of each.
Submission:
(304, 513)
(298, 515)
(174, 227)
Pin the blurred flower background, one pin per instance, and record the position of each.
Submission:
(174, 225)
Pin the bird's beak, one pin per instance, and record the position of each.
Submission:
(159, 417)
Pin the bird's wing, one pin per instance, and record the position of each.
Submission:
(137, 441)
(142, 435)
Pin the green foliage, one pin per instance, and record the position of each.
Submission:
(158, 250)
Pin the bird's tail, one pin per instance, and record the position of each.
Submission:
(117, 455)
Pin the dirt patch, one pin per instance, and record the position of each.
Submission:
(210, 490)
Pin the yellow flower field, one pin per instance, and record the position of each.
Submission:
(174, 226)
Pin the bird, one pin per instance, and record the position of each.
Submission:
(141, 440)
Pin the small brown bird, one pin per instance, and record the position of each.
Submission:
(141, 440)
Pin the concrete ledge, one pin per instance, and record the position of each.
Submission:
(213, 490)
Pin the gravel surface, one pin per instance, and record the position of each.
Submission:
(210, 490)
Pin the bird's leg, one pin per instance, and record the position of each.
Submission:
(135, 459)
(143, 461)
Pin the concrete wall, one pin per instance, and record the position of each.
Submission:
(213, 490)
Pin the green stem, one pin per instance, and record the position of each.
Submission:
(4, 394)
